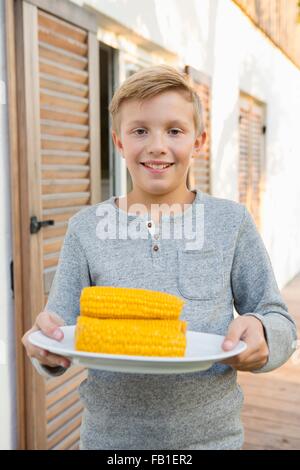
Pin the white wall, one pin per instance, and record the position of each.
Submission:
(245, 59)
(215, 37)
(7, 341)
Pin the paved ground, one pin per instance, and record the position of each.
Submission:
(271, 413)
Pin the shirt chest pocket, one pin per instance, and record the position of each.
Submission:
(200, 273)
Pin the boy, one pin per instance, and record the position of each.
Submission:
(157, 127)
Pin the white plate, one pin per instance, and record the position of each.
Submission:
(202, 351)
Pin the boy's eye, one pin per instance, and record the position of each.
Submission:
(142, 131)
(175, 131)
(139, 131)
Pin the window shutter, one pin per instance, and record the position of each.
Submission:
(199, 173)
(251, 157)
(65, 130)
(61, 158)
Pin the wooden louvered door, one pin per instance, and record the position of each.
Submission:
(251, 155)
(199, 172)
(59, 129)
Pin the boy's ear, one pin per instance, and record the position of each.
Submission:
(117, 142)
(199, 142)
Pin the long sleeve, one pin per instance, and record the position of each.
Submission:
(256, 293)
(47, 371)
(72, 274)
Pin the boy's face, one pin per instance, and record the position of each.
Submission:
(155, 131)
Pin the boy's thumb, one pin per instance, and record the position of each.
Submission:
(49, 323)
(234, 334)
(56, 319)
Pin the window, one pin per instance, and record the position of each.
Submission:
(251, 153)
(199, 173)
(107, 152)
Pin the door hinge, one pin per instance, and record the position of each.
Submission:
(12, 277)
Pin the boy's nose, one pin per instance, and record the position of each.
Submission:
(157, 145)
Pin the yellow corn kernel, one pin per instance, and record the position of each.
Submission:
(133, 337)
(123, 302)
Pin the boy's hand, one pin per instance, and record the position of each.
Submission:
(250, 330)
(48, 323)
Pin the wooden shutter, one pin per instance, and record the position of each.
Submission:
(251, 156)
(199, 173)
(60, 159)
(278, 20)
(65, 131)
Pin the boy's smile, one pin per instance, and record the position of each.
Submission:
(158, 139)
(156, 166)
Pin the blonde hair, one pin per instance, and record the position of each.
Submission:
(152, 81)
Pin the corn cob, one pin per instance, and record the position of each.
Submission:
(123, 302)
(137, 338)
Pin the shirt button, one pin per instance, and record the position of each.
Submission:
(149, 224)
(155, 248)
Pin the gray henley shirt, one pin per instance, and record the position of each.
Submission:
(230, 267)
